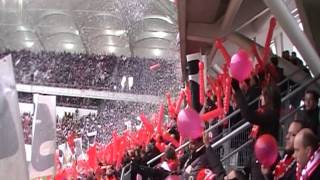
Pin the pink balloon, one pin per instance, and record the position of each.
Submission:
(240, 66)
(266, 150)
(189, 124)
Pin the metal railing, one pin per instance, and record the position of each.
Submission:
(301, 87)
(237, 150)
(249, 141)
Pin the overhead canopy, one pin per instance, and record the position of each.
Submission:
(146, 28)
(238, 22)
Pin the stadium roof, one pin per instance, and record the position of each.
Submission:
(145, 28)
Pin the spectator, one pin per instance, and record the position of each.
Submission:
(295, 60)
(307, 154)
(202, 158)
(286, 167)
(310, 113)
(265, 119)
(267, 116)
(286, 55)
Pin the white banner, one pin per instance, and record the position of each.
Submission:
(44, 137)
(12, 153)
(78, 148)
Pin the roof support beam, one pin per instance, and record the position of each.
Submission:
(297, 37)
(230, 15)
(228, 19)
(202, 32)
(182, 14)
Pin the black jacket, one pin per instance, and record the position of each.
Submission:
(311, 118)
(266, 119)
(205, 158)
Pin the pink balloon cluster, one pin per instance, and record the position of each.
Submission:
(241, 65)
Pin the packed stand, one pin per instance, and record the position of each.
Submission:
(99, 72)
(27, 127)
(65, 101)
(111, 118)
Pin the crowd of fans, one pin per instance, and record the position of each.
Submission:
(65, 101)
(112, 117)
(26, 119)
(292, 58)
(99, 72)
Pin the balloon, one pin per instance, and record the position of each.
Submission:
(212, 114)
(160, 146)
(189, 124)
(266, 150)
(201, 83)
(155, 66)
(223, 50)
(240, 66)
(179, 101)
(266, 50)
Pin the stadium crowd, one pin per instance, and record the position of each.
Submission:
(65, 101)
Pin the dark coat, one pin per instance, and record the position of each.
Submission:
(311, 118)
(205, 158)
(266, 119)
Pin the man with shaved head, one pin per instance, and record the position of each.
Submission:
(307, 155)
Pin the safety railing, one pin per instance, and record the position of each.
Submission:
(232, 154)
(241, 154)
(301, 87)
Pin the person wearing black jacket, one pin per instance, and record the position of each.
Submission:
(268, 115)
(265, 119)
(202, 158)
(310, 113)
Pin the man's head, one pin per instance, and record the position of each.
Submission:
(293, 130)
(311, 98)
(286, 54)
(305, 143)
